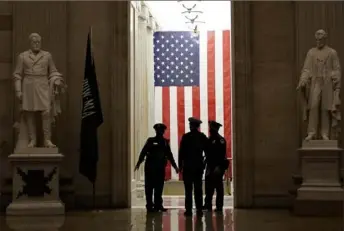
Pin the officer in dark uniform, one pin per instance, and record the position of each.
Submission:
(156, 151)
(216, 166)
(191, 163)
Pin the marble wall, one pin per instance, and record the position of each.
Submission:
(6, 99)
(64, 27)
(270, 43)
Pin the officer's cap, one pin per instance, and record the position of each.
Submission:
(215, 125)
(159, 126)
(193, 120)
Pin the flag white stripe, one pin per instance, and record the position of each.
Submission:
(158, 104)
(188, 106)
(219, 78)
(203, 69)
(174, 128)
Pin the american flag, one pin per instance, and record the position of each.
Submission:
(192, 77)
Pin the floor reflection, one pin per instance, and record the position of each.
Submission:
(173, 220)
(178, 202)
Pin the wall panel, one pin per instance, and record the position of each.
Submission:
(274, 105)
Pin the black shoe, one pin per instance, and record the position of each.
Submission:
(188, 213)
(161, 209)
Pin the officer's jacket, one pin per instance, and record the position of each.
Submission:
(216, 152)
(192, 146)
(156, 151)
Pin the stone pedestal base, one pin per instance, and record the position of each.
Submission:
(320, 192)
(35, 189)
(36, 208)
(317, 208)
(35, 223)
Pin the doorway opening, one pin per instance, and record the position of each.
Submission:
(180, 68)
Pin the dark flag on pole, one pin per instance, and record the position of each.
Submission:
(91, 117)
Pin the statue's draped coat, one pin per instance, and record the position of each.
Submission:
(324, 82)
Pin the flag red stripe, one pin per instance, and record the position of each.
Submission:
(196, 103)
(211, 76)
(180, 116)
(166, 121)
(227, 91)
(181, 222)
(166, 223)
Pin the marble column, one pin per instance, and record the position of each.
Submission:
(151, 26)
(141, 103)
(120, 105)
(242, 105)
(133, 19)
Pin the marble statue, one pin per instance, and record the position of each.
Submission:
(38, 86)
(320, 87)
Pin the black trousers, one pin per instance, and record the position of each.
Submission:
(193, 181)
(214, 182)
(154, 182)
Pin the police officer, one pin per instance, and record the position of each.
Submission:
(156, 151)
(216, 166)
(191, 163)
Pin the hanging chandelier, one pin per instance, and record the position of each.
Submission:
(192, 13)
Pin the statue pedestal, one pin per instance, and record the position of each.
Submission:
(35, 223)
(320, 192)
(35, 182)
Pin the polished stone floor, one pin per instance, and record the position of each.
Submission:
(177, 202)
(136, 219)
(173, 220)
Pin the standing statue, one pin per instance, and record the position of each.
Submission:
(320, 87)
(38, 85)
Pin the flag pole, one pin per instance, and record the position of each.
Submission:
(91, 37)
(94, 182)
(89, 142)
(94, 195)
